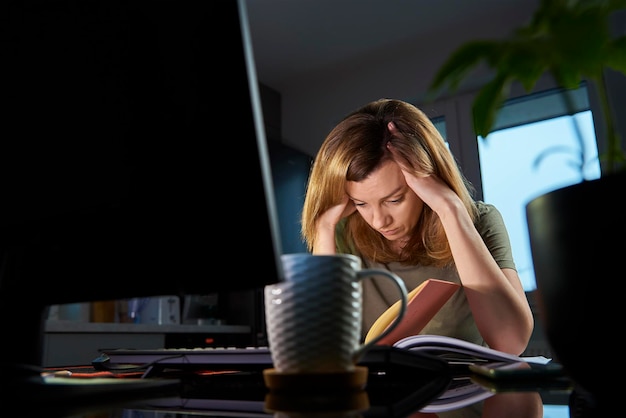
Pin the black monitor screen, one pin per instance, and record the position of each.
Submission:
(133, 154)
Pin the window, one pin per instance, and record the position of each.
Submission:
(522, 162)
(440, 124)
(532, 149)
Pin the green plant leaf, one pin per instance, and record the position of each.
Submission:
(460, 63)
(616, 56)
(569, 39)
(486, 104)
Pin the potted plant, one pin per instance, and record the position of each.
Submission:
(576, 232)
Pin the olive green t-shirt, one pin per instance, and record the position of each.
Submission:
(455, 317)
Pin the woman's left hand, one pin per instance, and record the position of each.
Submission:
(431, 189)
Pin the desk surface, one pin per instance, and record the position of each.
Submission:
(244, 394)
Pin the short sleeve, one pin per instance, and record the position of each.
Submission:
(491, 227)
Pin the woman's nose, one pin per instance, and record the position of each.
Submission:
(380, 219)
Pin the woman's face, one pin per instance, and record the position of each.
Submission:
(386, 202)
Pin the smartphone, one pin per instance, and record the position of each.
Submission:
(517, 370)
(521, 376)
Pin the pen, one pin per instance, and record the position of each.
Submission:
(57, 373)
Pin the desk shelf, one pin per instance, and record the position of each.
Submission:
(68, 342)
(69, 327)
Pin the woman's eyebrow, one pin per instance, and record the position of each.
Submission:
(397, 190)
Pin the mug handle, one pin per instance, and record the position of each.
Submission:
(368, 273)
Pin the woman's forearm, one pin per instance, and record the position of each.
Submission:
(495, 296)
(324, 239)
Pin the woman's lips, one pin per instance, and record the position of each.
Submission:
(390, 232)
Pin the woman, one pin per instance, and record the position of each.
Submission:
(384, 186)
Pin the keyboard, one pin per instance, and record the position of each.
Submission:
(214, 358)
(378, 358)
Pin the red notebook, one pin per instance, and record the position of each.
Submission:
(424, 302)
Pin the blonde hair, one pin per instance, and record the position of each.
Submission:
(354, 149)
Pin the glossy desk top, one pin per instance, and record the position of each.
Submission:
(245, 394)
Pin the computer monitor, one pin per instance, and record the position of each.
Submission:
(133, 158)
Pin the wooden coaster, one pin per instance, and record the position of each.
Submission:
(352, 380)
(332, 402)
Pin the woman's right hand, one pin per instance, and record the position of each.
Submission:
(326, 223)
